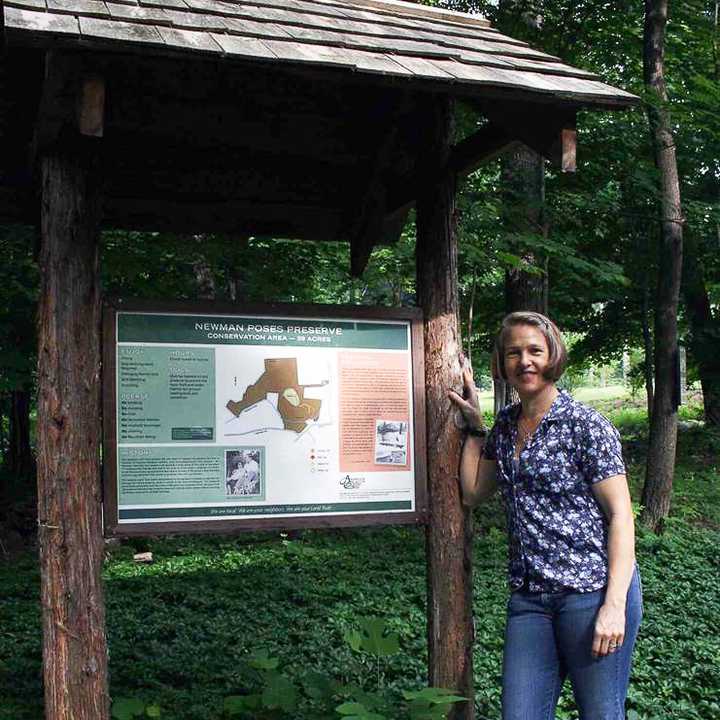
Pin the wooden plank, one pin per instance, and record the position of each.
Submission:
(58, 101)
(305, 53)
(118, 31)
(421, 67)
(195, 21)
(133, 13)
(376, 63)
(232, 527)
(87, 8)
(552, 133)
(244, 46)
(29, 4)
(216, 7)
(45, 22)
(480, 147)
(406, 9)
(252, 28)
(189, 39)
(91, 109)
(178, 4)
(233, 217)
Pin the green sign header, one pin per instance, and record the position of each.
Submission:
(273, 331)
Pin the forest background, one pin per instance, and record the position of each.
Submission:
(591, 239)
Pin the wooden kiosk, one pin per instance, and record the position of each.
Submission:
(312, 119)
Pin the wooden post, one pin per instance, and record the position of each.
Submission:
(69, 487)
(449, 534)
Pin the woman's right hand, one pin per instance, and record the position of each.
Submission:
(469, 403)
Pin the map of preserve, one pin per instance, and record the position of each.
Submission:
(281, 378)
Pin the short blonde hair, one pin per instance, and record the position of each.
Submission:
(556, 345)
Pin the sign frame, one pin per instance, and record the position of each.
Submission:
(112, 306)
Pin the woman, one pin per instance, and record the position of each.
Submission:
(575, 603)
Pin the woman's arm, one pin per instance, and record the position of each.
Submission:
(614, 498)
(477, 475)
(478, 479)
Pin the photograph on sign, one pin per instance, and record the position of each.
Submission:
(242, 417)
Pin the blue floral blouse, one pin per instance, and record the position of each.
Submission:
(557, 530)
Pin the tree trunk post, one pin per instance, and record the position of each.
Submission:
(69, 489)
(449, 533)
(663, 425)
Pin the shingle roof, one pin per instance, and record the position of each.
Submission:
(388, 37)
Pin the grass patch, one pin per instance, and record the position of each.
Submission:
(180, 629)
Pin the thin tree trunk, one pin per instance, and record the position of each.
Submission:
(523, 190)
(69, 491)
(663, 426)
(449, 533)
(20, 458)
(705, 338)
(648, 348)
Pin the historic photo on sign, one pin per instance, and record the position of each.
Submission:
(244, 473)
(390, 442)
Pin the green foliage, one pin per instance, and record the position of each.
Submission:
(225, 627)
(430, 703)
(127, 708)
(374, 638)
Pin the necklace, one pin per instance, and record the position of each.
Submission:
(527, 427)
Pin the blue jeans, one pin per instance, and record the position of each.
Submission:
(548, 638)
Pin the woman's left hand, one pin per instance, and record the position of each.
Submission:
(609, 630)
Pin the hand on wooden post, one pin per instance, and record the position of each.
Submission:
(469, 403)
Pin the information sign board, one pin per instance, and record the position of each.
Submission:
(219, 419)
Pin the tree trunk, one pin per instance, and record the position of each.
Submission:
(69, 490)
(523, 191)
(663, 425)
(449, 533)
(20, 458)
(648, 348)
(705, 338)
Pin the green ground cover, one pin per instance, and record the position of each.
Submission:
(181, 630)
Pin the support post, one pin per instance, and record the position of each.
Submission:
(69, 488)
(449, 534)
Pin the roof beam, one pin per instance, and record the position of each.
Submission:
(549, 131)
(368, 227)
(468, 155)
(71, 99)
(304, 222)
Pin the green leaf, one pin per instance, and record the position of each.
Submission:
(153, 711)
(238, 704)
(279, 693)
(376, 639)
(127, 708)
(357, 711)
(260, 660)
(353, 638)
(351, 708)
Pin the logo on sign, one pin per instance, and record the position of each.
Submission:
(350, 483)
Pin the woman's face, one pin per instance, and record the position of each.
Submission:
(526, 357)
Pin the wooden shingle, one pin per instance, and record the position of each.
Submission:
(390, 37)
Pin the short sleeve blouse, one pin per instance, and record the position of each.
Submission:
(557, 530)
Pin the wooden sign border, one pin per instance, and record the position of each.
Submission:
(112, 528)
